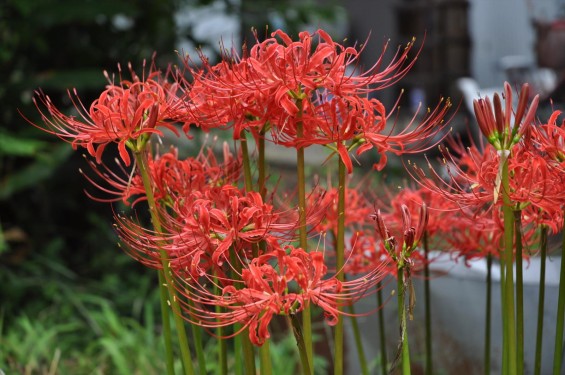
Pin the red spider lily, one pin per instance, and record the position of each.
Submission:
(401, 247)
(473, 178)
(296, 67)
(416, 137)
(213, 227)
(464, 170)
(536, 181)
(122, 114)
(550, 138)
(356, 213)
(495, 123)
(364, 252)
(171, 177)
(228, 94)
(280, 80)
(414, 198)
(551, 219)
(205, 226)
(281, 282)
(474, 235)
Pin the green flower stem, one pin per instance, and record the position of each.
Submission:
(558, 351)
(237, 354)
(340, 258)
(354, 325)
(166, 321)
(222, 350)
(382, 333)
(172, 294)
(541, 299)
(197, 336)
(298, 335)
(264, 352)
(358, 342)
(503, 312)
(261, 163)
(248, 353)
(303, 233)
(246, 163)
(508, 318)
(428, 304)
(519, 293)
(242, 339)
(221, 342)
(488, 314)
(265, 356)
(401, 292)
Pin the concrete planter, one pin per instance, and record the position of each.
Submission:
(458, 319)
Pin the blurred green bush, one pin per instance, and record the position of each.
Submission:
(70, 300)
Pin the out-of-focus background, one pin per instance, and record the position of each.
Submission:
(70, 300)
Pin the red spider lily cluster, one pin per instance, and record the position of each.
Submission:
(470, 181)
(228, 246)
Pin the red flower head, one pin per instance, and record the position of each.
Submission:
(281, 282)
(356, 212)
(495, 123)
(284, 84)
(550, 138)
(401, 250)
(171, 178)
(473, 178)
(122, 114)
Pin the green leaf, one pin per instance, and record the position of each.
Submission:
(13, 145)
(118, 357)
(33, 174)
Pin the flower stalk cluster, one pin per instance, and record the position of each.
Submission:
(231, 255)
(233, 252)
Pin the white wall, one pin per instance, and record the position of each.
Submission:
(501, 28)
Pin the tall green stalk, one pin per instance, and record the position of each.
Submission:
(246, 163)
(401, 295)
(503, 313)
(261, 163)
(488, 314)
(519, 293)
(238, 361)
(340, 258)
(242, 341)
(358, 342)
(197, 337)
(355, 327)
(303, 236)
(248, 353)
(221, 342)
(222, 349)
(541, 299)
(382, 333)
(247, 346)
(166, 321)
(264, 351)
(558, 351)
(428, 307)
(508, 319)
(265, 358)
(299, 336)
(172, 294)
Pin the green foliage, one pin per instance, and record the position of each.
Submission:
(72, 302)
(109, 342)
